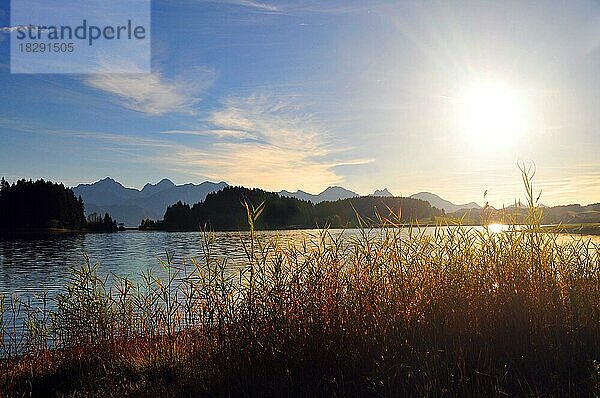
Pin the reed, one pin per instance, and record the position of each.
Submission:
(392, 312)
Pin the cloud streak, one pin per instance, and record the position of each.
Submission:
(255, 4)
(252, 4)
(218, 133)
(261, 142)
(9, 29)
(153, 93)
(254, 141)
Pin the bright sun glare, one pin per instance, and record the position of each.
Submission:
(491, 113)
(496, 228)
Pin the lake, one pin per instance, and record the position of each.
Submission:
(30, 267)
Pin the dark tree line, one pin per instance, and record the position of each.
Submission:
(96, 222)
(39, 204)
(224, 210)
(150, 225)
(562, 214)
(373, 211)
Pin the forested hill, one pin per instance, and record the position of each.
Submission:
(343, 213)
(224, 210)
(39, 204)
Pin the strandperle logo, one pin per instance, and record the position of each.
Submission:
(80, 36)
(85, 32)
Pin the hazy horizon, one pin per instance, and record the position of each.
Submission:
(480, 201)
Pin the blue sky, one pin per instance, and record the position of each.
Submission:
(306, 94)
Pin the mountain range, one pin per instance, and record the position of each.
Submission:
(443, 204)
(328, 195)
(382, 193)
(130, 205)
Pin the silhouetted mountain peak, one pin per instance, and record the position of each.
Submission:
(107, 185)
(334, 188)
(332, 193)
(382, 192)
(444, 204)
(336, 192)
(163, 184)
(301, 192)
(106, 181)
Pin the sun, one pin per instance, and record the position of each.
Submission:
(491, 113)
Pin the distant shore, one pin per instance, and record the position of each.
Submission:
(576, 229)
(34, 233)
(37, 232)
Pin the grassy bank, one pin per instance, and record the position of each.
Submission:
(455, 313)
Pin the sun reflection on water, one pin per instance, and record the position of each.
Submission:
(497, 228)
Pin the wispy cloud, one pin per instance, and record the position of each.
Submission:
(126, 142)
(153, 93)
(288, 149)
(255, 141)
(256, 5)
(9, 29)
(219, 133)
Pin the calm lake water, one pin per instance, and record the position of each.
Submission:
(32, 266)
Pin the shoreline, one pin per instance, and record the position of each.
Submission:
(575, 229)
(34, 233)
